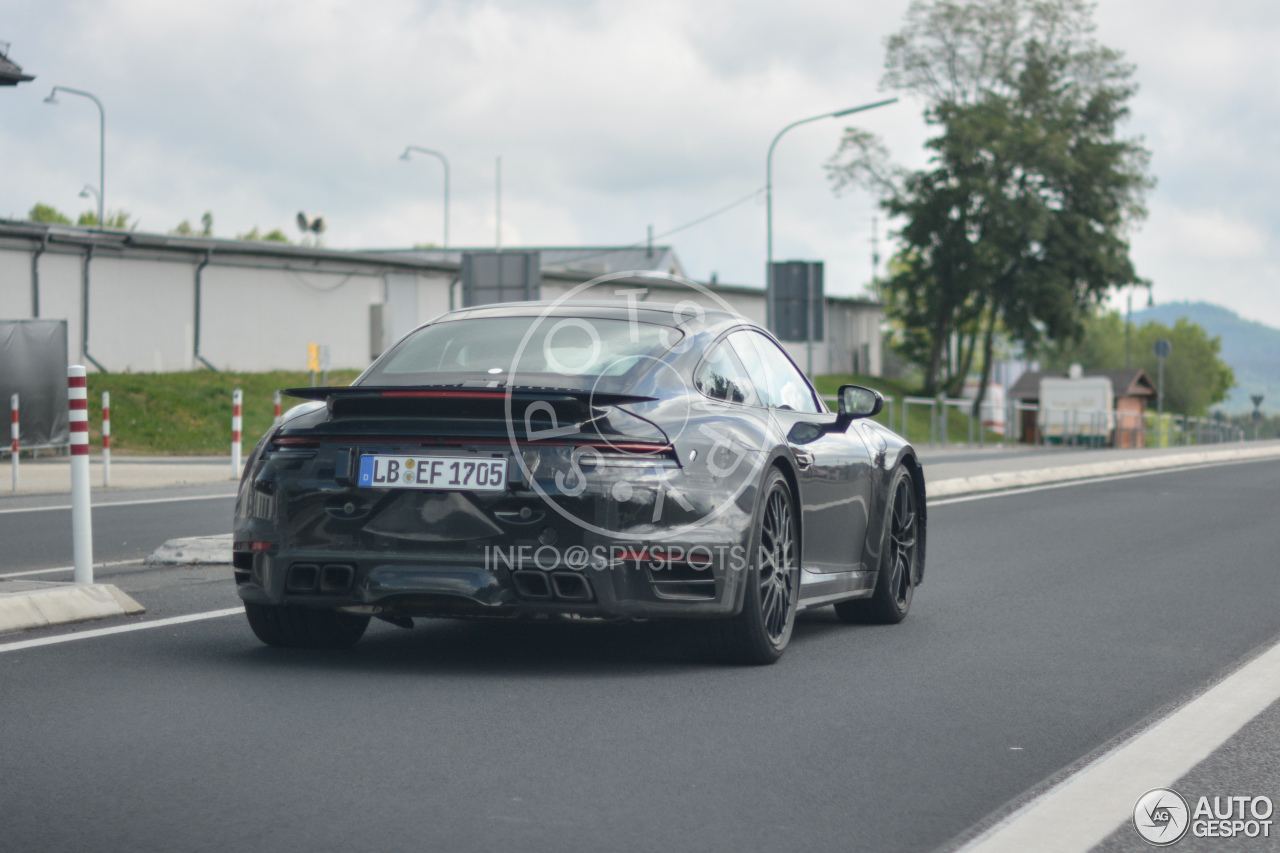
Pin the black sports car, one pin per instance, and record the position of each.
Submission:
(583, 459)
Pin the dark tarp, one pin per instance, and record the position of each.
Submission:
(33, 364)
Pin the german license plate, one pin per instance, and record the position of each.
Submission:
(446, 473)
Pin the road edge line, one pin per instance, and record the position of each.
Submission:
(118, 629)
(1084, 481)
(1080, 810)
(141, 502)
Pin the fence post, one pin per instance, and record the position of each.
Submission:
(13, 437)
(236, 398)
(106, 439)
(81, 513)
(277, 412)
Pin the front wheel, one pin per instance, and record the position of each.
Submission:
(304, 627)
(760, 633)
(895, 581)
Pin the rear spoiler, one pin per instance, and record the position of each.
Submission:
(459, 392)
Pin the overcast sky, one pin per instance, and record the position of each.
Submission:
(608, 116)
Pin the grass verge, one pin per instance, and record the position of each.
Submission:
(189, 414)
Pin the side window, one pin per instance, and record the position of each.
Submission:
(722, 377)
(777, 380)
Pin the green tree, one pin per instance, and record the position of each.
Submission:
(115, 219)
(273, 236)
(1019, 221)
(48, 214)
(1195, 376)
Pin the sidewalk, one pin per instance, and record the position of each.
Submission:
(954, 470)
(53, 476)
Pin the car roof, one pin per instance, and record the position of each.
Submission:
(658, 313)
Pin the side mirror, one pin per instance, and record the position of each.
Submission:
(857, 402)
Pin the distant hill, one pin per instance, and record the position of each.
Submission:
(1252, 349)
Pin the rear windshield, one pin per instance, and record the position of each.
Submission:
(562, 352)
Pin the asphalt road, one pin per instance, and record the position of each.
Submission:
(1049, 624)
(127, 525)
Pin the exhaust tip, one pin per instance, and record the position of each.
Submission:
(302, 577)
(531, 584)
(336, 578)
(570, 586)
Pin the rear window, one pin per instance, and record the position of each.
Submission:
(568, 352)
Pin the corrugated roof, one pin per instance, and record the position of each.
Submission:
(589, 260)
(1130, 382)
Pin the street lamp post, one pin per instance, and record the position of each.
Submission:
(102, 143)
(90, 192)
(768, 197)
(445, 162)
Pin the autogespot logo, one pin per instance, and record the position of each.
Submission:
(1161, 817)
(587, 351)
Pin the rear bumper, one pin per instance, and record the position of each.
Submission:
(502, 583)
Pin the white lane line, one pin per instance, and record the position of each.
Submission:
(981, 496)
(68, 569)
(1086, 807)
(121, 503)
(118, 629)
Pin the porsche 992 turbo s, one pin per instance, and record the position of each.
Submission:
(586, 459)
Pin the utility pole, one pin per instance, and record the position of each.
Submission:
(497, 202)
(875, 253)
(1162, 350)
(1128, 334)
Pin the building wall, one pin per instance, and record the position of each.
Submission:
(140, 313)
(257, 315)
(253, 318)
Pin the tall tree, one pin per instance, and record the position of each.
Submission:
(1020, 220)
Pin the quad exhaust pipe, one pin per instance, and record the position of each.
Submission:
(541, 586)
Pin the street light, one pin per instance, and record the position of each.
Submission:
(445, 162)
(90, 191)
(768, 197)
(102, 143)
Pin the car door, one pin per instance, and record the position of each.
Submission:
(834, 466)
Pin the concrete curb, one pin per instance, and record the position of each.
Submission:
(195, 549)
(40, 604)
(1001, 481)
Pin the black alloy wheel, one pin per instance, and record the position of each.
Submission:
(760, 633)
(895, 581)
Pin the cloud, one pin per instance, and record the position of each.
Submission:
(609, 116)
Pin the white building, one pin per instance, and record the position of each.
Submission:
(155, 303)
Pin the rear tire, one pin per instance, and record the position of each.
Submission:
(760, 633)
(295, 627)
(895, 580)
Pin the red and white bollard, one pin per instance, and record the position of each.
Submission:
(106, 439)
(13, 436)
(81, 518)
(237, 397)
(277, 421)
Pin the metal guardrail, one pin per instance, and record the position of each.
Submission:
(1061, 426)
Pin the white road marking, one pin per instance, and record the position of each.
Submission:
(118, 629)
(120, 503)
(1083, 809)
(1081, 482)
(68, 569)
